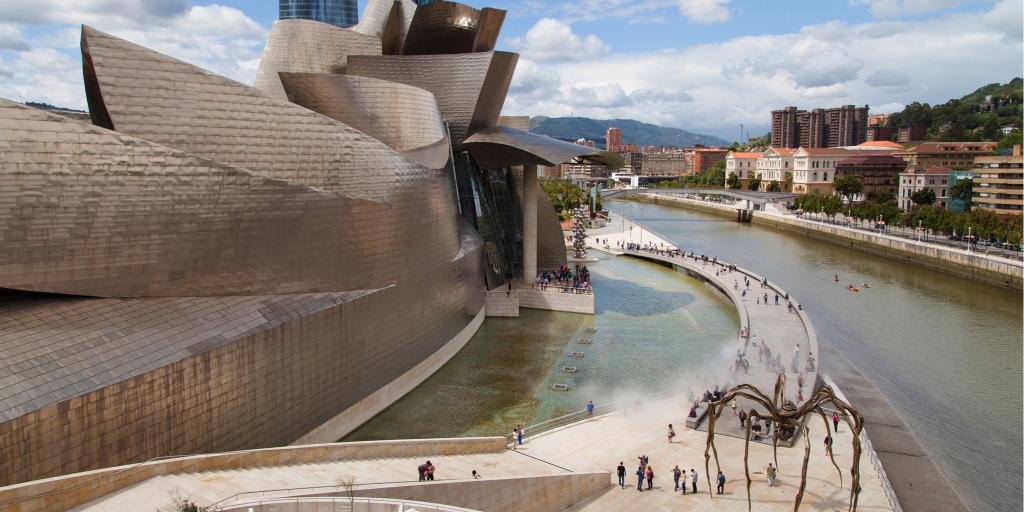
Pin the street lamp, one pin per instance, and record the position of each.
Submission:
(919, 228)
(969, 238)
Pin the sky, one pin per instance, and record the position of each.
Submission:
(705, 66)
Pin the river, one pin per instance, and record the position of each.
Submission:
(946, 352)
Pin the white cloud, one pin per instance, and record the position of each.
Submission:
(215, 37)
(892, 8)
(11, 38)
(704, 11)
(741, 80)
(887, 78)
(551, 39)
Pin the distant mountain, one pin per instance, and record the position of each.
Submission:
(635, 132)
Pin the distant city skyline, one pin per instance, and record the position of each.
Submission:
(705, 66)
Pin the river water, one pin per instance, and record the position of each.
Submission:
(946, 352)
(653, 325)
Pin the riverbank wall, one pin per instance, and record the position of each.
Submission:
(968, 266)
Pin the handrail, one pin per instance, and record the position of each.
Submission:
(401, 504)
(217, 505)
(104, 476)
(540, 459)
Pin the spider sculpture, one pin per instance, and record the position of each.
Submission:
(787, 417)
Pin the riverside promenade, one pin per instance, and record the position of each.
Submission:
(624, 435)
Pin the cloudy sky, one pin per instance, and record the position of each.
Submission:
(701, 65)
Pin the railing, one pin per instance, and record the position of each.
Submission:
(562, 289)
(103, 476)
(339, 504)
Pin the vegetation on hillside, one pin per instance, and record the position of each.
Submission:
(713, 177)
(753, 144)
(969, 118)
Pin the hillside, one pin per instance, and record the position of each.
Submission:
(635, 132)
(969, 118)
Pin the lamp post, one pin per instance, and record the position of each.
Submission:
(919, 228)
(969, 238)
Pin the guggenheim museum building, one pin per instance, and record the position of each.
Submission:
(209, 265)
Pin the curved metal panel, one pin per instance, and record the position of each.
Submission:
(401, 116)
(500, 146)
(387, 20)
(307, 46)
(488, 29)
(163, 100)
(551, 251)
(458, 82)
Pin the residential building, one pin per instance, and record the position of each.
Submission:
(664, 164)
(703, 159)
(877, 172)
(773, 165)
(613, 139)
(955, 155)
(742, 164)
(878, 119)
(814, 168)
(918, 178)
(908, 134)
(880, 133)
(819, 128)
(633, 160)
(340, 13)
(999, 183)
(955, 204)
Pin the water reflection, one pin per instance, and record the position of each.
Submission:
(653, 326)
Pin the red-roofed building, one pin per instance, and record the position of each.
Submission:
(882, 144)
(742, 164)
(774, 164)
(918, 178)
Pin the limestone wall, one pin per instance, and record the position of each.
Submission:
(66, 492)
(554, 300)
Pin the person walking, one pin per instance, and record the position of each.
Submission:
(771, 472)
(422, 469)
(430, 471)
(733, 405)
(590, 410)
(650, 477)
(671, 433)
(743, 419)
(515, 434)
(621, 471)
(835, 421)
(519, 434)
(693, 480)
(640, 478)
(676, 473)
(721, 483)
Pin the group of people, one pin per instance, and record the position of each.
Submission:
(577, 278)
(426, 471)
(645, 473)
(660, 248)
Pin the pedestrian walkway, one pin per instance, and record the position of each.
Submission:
(602, 443)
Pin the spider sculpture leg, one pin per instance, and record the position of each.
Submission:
(803, 471)
(830, 454)
(751, 418)
(713, 411)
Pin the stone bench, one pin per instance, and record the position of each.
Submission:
(702, 412)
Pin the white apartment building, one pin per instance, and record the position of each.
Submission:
(936, 178)
(814, 169)
(742, 164)
(773, 165)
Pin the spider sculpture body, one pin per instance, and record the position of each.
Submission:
(788, 417)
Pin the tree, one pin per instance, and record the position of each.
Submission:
(881, 196)
(849, 186)
(733, 181)
(754, 183)
(962, 190)
(565, 195)
(1010, 140)
(832, 205)
(774, 186)
(923, 196)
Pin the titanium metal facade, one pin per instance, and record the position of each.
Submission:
(211, 266)
(340, 13)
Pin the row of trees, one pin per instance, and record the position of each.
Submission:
(985, 224)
